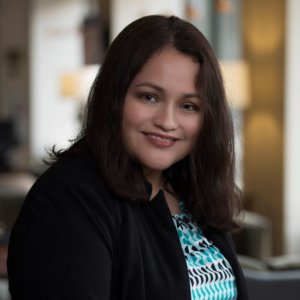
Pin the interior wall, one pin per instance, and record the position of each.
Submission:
(13, 53)
(264, 28)
(292, 126)
(56, 48)
(124, 12)
(14, 104)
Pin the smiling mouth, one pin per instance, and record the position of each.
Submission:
(161, 140)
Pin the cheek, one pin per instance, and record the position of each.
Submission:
(129, 120)
(193, 132)
(128, 112)
(134, 113)
(193, 128)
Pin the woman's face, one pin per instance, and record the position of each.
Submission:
(162, 114)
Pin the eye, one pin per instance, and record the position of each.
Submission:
(190, 107)
(148, 97)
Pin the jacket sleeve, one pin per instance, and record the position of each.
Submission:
(61, 246)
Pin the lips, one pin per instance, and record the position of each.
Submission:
(161, 140)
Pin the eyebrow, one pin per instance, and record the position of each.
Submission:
(148, 84)
(160, 89)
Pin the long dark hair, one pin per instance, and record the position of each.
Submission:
(205, 178)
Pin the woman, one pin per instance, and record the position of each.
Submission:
(140, 205)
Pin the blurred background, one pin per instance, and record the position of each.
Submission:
(50, 51)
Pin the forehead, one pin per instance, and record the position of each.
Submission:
(169, 66)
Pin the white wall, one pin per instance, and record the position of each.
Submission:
(124, 12)
(56, 47)
(292, 130)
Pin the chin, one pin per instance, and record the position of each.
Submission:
(157, 167)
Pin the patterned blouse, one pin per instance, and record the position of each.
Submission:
(211, 276)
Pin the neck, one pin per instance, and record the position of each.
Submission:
(155, 178)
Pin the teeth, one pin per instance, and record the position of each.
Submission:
(158, 138)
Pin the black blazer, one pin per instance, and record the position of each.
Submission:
(74, 240)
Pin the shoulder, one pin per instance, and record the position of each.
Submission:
(70, 191)
(75, 169)
(73, 174)
(68, 225)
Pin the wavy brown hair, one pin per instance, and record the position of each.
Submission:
(205, 178)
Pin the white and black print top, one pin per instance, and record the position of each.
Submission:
(211, 276)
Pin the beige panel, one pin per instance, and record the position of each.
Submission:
(264, 26)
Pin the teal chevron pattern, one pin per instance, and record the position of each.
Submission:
(211, 276)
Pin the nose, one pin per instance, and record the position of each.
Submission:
(165, 118)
